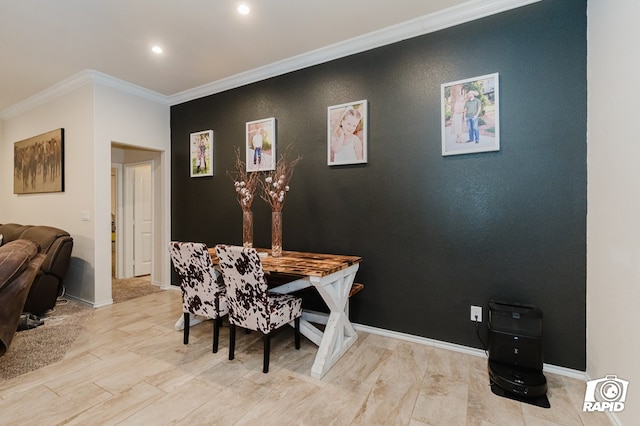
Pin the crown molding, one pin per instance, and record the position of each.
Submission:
(75, 82)
(130, 88)
(65, 86)
(456, 15)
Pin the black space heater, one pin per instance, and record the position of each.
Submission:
(515, 352)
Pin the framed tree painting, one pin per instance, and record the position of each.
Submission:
(201, 158)
(261, 145)
(470, 115)
(38, 163)
(347, 133)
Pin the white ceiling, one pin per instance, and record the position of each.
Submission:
(43, 42)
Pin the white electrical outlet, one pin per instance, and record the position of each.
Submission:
(476, 313)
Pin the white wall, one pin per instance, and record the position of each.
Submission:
(613, 222)
(4, 166)
(95, 110)
(72, 111)
(125, 118)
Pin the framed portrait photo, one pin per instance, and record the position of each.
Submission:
(470, 115)
(201, 159)
(38, 163)
(347, 133)
(261, 145)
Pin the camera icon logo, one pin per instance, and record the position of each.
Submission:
(606, 394)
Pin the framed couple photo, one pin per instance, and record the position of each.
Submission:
(470, 115)
(201, 158)
(347, 133)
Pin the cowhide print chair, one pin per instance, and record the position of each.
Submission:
(203, 291)
(251, 306)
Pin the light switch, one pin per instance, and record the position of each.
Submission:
(86, 215)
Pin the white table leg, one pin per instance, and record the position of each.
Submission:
(339, 334)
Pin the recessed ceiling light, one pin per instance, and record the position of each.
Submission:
(243, 9)
(156, 49)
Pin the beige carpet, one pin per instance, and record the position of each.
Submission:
(130, 288)
(48, 343)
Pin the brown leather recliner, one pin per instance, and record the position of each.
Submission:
(19, 265)
(56, 245)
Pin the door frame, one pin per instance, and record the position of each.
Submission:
(119, 221)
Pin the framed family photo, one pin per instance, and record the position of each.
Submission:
(261, 145)
(38, 163)
(347, 133)
(201, 159)
(470, 115)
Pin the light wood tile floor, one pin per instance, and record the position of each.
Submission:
(129, 367)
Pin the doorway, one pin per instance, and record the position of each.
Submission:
(138, 174)
(138, 219)
(135, 205)
(131, 219)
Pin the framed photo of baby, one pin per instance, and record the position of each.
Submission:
(261, 145)
(470, 115)
(347, 133)
(201, 159)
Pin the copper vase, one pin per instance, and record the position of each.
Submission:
(276, 233)
(247, 229)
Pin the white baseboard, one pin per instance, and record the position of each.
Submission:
(548, 368)
(86, 302)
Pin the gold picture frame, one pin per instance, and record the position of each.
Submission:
(38, 163)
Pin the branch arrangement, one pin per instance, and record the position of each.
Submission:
(276, 182)
(244, 182)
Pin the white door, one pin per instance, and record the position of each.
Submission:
(142, 220)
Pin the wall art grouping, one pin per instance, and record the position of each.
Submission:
(201, 158)
(470, 124)
(346, 139)
(38, 163)
(470, 115)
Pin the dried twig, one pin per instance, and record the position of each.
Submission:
(244, 182)
(276, 182)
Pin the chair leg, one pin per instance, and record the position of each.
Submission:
(232, 341)
(267, 350)
(297, 332)
(216, 333)
(185, 339)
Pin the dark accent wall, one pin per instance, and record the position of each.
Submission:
(437, 234)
